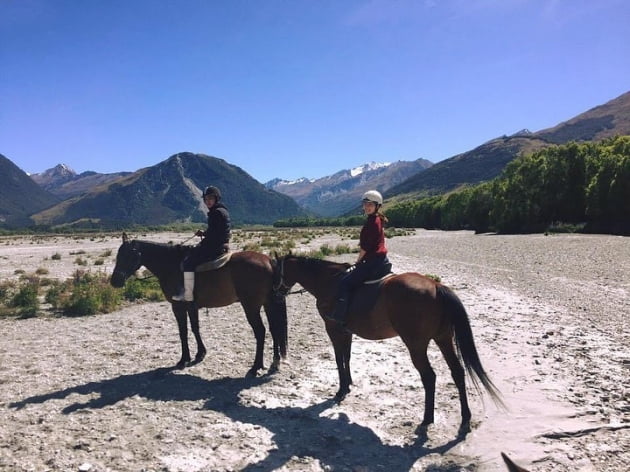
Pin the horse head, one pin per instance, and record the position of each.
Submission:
(280, 284)
(128, 261)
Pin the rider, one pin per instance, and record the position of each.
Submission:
(372, 260)
(216, 239)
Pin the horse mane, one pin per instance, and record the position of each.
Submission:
(176, 251)
(313, 263)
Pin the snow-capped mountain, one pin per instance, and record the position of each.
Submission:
(339, 193)
(368, 167)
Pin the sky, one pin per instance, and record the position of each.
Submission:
(295, 88)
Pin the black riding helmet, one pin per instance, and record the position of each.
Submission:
(213, 192)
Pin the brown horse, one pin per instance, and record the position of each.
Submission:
(247, 278)
(410, 305)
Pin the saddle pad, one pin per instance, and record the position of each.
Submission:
(215, 263)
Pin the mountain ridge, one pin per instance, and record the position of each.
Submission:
(338, 193)
(170, 191)
(65, 183)
(603, 121)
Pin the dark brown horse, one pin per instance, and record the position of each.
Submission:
(247, 278)
(410, 305)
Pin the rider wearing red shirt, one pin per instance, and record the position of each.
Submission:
(372, 260)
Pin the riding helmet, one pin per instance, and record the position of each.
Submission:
(213, 192)
(373, 196)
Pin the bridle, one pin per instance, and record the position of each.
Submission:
(138, 255)
(281, 287)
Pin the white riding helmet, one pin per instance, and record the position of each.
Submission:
(373, 196)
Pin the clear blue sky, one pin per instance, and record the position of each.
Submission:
(292, 88)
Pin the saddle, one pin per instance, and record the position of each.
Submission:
(214, 264)
(364, 297)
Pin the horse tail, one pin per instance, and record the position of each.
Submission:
(466, 343)
(276, 309)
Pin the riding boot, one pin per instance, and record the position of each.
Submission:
(340, 311)
(189, 284)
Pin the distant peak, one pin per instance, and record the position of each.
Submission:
(277, 182)
(368, 167)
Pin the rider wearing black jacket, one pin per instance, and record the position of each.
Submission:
(216, 239)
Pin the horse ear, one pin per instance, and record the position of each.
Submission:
(125, 237)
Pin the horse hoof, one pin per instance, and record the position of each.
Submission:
(181, 365)
(252, 373)
(200, 357)
(275, 367)
(340, 396)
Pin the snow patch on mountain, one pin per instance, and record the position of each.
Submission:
(368, 167)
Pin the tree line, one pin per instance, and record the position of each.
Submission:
(583, 186)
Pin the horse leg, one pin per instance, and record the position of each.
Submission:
(276, 311)
(193, 315)
(182, 324)
(342, 344)
(418, 352)
(457, 372)
(255, 321)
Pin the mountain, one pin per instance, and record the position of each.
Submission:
(64, 182)
(171, 192)
(485, 162)
(19, 195)
(339, 193)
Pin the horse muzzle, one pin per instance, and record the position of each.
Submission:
(118, 279)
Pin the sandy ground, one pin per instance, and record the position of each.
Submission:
(549, 314)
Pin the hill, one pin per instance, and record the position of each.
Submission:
(64, 182)
(486, 161)
(339, 193)
(19, 195)
(171, 192)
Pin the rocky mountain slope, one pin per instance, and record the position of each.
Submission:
(19, 195)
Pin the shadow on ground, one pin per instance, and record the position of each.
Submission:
(297, 432)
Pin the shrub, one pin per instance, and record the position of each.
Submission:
(5, 290)
(437, 278)
(85, 294)
(55, 293)
(342, 249)
(26, 301)
(147, 288)
(83, 301)
(326, 250)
